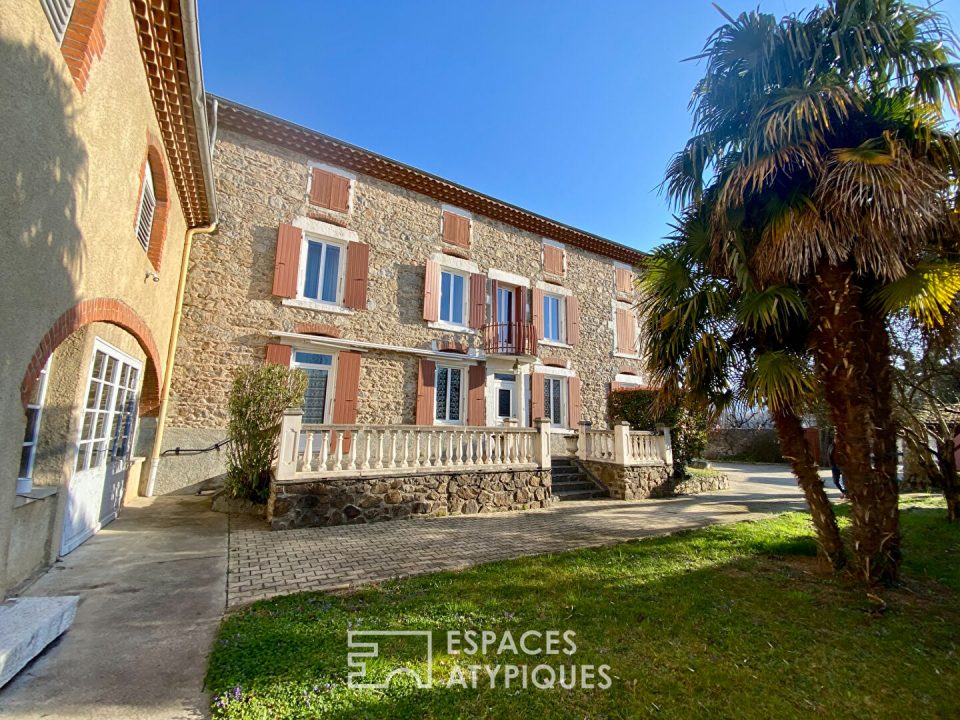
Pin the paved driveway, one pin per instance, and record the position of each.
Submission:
(152, 591)
(264, 563)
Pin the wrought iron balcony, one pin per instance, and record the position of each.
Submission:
(510, 338)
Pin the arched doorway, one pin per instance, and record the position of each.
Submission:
(103, 377)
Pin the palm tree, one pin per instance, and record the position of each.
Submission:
(819, 142)
(714, 338)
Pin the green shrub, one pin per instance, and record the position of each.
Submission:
(258, 398)
(688, 424)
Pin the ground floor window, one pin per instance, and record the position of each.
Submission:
(553, 400)
(449, 394)
(317, 367)
(31, 434)
(506, 386)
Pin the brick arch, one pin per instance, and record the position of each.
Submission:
(107, 310)
(158, 169)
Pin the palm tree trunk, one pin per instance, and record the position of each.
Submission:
(797, 451)
(839, 341)
(946, 454)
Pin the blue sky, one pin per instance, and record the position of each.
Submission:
(569, 109)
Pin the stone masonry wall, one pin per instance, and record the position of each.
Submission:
(337, 501)
(632, 483)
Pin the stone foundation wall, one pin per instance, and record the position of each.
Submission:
(350, 501)
(632, 483)
(696, 484)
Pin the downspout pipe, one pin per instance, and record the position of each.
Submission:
(191, 42)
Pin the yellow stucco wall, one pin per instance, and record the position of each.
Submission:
(70, 167)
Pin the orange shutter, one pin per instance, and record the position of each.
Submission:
(537, 313)
(624, 280)
(426, 378)
(478, 299)
(278, 354)
(476, 395)
(573, 402)
(431, 292)
(329, 190)
(347, 388)
(358, 270)
(553, 260)
(287, 263)
(536, 396)
(626, 332)
(520, 305)
(456, 229)
(494, 287)
(615, 386)
(573, 320)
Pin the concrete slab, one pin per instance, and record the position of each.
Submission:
(27, 626)
(152, 589)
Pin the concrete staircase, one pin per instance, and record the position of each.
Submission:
(571, 483)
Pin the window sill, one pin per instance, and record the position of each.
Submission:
(556, 344)
(452, 327)
(627, 356)
(38, 493)
(318, 306)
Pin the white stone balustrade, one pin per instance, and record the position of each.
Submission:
(316, 451)
(621, 446)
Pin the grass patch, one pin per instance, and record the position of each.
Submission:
(736, 620)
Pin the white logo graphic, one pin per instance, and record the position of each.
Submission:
(371, 649)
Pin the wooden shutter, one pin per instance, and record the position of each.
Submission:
(626, 332)
(476, 395)
(278, 354)
(536, 396)
(624, 280)
(347, 388)
(520, 305)
(329, 190)
(431, 292)
(573, 402)
(426, 378)
(287, 265)
(537, 313)
(553, 259)
(478, 300)
(494, 300)
(456, 229)
(358, 271)
(573, 320)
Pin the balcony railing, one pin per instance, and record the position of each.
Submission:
(510, 338)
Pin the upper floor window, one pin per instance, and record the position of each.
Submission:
(321, 274)
(452, 297)
(553, 324)
(147, 207)
(329, 190)
(58, 13)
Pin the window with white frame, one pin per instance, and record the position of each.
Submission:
(147, 208)
(553, 320)
(554, 400)
(32, 433)
(58, 14)
(453, 295)
(322, 270)
(317, 367)
(449, 394)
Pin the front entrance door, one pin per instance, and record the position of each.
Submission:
(505, 396)
(104, 446)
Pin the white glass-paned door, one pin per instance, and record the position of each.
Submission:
(103, 448)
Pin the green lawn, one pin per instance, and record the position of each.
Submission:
(737, 620)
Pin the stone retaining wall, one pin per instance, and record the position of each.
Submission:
(696, 484)
(349, 501)
(632, 483)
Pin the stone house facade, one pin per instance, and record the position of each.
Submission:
(406, 298)
(105, 171)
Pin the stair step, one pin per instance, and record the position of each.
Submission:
(582, 495)
(575, 486)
